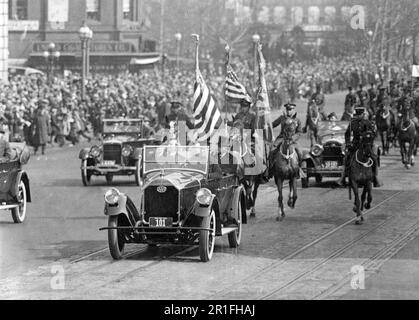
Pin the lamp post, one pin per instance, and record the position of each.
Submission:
(51, 57)
(256, 40)
(178, 37)
(370, 34)
(85, 34)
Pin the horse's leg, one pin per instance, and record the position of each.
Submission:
(254, 195)
(357, 202)
(402, 150)
(290, 193)
(363, 197)
(369, 197)
(294, 192)
(281, 212)
(383, 142)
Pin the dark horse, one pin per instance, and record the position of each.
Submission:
(407, 135)
(286, 167)
(361, 175)
(385, 126)
(313, 118)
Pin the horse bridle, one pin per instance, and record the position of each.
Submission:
(367, 164)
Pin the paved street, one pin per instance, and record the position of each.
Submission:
(309, 255)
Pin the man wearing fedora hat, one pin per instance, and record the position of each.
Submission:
(177, 115)
(41, 127)
(5, 150)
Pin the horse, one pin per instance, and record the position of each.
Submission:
(384, 122)
(361, 175)
(407, 135)
(313, 118)
(286, 167)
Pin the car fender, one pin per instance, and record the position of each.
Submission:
(84, 154)
(22, 176)
(234, 203)
(138, 153)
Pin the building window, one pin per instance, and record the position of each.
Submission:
(280, 15)
(313, 15)
(297, 16)
(330, 15)
(18, 9)
(128, 9)
(93, 10)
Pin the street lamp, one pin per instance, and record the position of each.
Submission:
(178, 37)
(85, 34)
(51, 57)
(370, 34)
(256, 40)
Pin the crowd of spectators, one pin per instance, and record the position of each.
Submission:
(45, 111)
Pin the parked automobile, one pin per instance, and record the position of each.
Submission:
(119, 153)
(326, 158)
(24, 71)
(15, 191)
(184, 200)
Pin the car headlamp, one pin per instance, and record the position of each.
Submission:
(204, 196)
(112, 196)
(316, 150)
(95, 151)
(127, 150)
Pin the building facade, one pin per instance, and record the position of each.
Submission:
(120, 29)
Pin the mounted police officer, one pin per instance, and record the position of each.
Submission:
(358, 126)
(320, 100)
(363, 97)
(290, 114)
(245, 115)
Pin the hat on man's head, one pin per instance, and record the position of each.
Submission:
(43, 102)
(175, 105)
(350, 88)
(359, 111)
(244, 103)
(290, 106)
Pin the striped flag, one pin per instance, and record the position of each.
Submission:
(234, 90)
(206, 113)
(415, 67)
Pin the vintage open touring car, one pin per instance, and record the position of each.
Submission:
(120, 152)
(185, 200)
(14, 183)
(326, 158)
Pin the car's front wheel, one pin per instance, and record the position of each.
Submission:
(207, 238)
(85, 174)
(115, 238)
(234, 238)
(19, 213)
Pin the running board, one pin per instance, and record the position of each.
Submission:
(227, 230)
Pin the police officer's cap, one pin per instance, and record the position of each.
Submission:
(175, 105)
(359, 111)
(290, 106)
(349, 88)
(246, 102)
(383, 87)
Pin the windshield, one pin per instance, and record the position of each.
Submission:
(332, 128)
(191, 158)
(122, 126)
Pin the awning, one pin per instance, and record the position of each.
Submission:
(145, 61)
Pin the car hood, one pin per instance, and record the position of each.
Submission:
(180, 180)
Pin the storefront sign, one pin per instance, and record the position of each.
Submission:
(58, 10)
(23, 25)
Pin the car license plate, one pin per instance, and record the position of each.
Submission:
(331, 164)
(161, 222)
(108, 163)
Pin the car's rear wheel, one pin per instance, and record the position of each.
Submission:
(207, 238)
(138, 173)
(19, 213)
(304, 181)
(109, 178)
(85, 174)
(234, 238)
(115, 238)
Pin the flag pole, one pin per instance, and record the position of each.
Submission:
(196, 37)
(228, 56)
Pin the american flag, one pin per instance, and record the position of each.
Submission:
(206, 113)
(234, 90)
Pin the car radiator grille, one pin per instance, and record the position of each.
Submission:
(158, 204)
(112, 152)
(332, 151)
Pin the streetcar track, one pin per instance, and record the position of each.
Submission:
(299, 251)
(375, 262)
